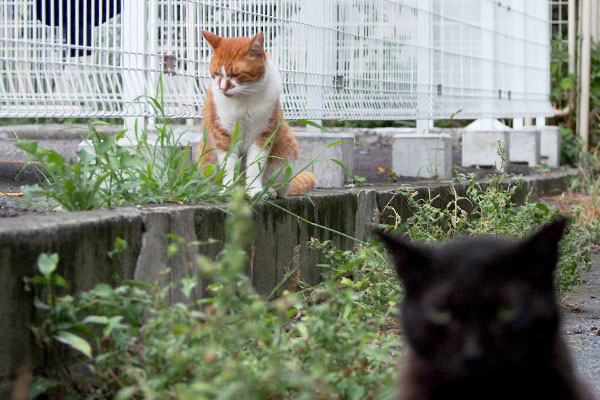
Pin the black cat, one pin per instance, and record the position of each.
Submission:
(482, 320)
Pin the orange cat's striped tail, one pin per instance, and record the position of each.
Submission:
(302, 183)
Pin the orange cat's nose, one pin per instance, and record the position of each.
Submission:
(225, 84)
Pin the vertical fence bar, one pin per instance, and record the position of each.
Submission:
(488, 71)
(192, 42)
(316, 57)
(133, 44)
(425, 23)
(586, 55)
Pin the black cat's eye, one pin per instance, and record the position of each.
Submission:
(506, 313)
(440, 316)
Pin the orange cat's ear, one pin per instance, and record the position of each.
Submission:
(257, 47)
(212, 39)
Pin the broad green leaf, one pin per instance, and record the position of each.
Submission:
(75, 342)
(126, 393)
(40, 385)
(102, 290)
(120, 246)
(56, 158)
(140, 284)
(47, 264)
(28, 146)
(389, 393)
(38, 280)
(84, 156)
(188, 283)
(543, 207)
(172, 250)
(113, 323)
(566, 83)
(356, 392)
(40, 305)
(59, 281)
(113, 163)
(95, 319)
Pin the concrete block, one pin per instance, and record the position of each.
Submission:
(550, 145)
(480, 148)
(314, 155)
(525, 146)
(422, 155)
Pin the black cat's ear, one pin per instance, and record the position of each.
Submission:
(541, 250)
(412, 261)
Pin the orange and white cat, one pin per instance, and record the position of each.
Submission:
(245, 92)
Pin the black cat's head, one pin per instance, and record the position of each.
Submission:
(477, 305)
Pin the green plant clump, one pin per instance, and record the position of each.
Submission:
(109, 174)
(155, 169)
(335, 340)
(489, 209)
(564, 85)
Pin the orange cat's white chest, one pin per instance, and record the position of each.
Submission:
(252, 111)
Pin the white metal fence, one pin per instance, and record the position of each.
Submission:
(339, 59)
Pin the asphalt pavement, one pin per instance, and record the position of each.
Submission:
(581, 324)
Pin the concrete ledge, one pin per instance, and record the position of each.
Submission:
(83, 240)
(422, 155)
(53, 131)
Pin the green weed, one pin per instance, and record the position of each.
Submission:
(334, 340)
(489, 209)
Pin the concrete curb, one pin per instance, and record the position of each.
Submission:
(83, 240)
(53, 131)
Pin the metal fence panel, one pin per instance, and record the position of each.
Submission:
(339, 59)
